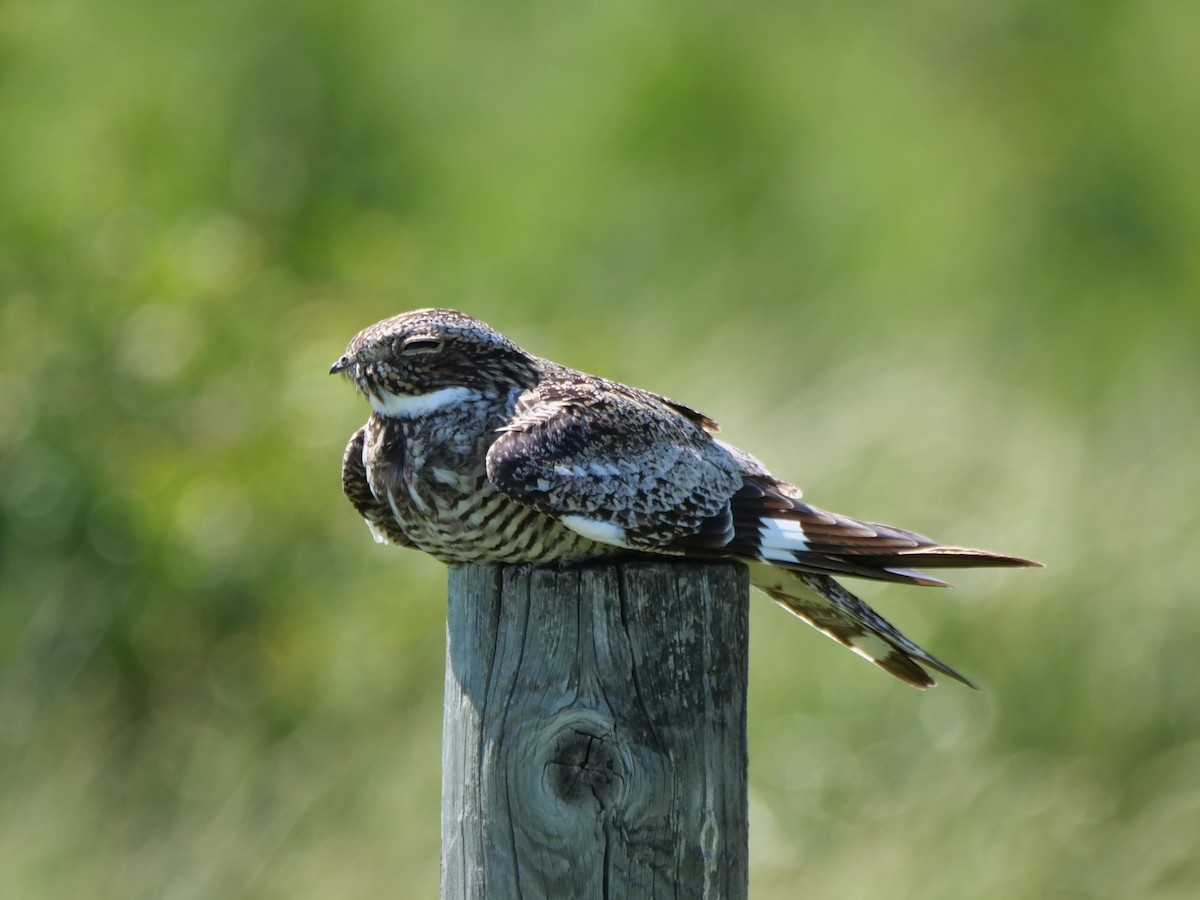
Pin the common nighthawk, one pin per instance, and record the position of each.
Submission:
(479, 452)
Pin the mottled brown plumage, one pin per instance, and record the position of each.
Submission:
(479, 452)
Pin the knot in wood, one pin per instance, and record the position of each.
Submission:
(586, 760)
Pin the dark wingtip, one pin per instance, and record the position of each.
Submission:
(943, 557)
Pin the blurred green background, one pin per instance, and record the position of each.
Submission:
(935, 261)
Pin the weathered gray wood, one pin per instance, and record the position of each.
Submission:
(594, 743)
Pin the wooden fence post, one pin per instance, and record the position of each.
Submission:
(594, 743)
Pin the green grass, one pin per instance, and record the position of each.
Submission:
(934, 262)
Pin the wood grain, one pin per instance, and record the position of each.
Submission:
(595, 732)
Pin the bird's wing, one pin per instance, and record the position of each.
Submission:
(772, 524)
(357, 489)
(617, 464)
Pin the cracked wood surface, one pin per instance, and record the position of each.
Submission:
(594, 742)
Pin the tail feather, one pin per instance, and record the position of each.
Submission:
(939, 556)
(834, 611)
(794, 550)
(777, 528)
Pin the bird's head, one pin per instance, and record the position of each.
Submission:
(418, 360)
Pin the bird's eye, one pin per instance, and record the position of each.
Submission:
(422, 345)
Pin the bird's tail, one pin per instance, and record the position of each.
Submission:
(794, 549)
(831, 609)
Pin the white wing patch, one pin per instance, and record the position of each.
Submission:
(779, 539)
(595, 530)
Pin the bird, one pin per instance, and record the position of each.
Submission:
(479, 452)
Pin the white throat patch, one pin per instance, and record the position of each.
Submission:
(409, 406)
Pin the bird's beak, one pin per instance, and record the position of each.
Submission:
(341, 365)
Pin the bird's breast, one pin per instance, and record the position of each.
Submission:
(432, 475)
